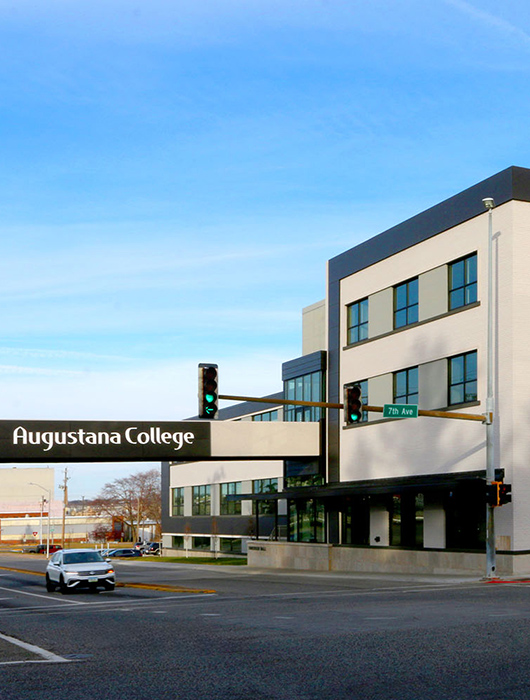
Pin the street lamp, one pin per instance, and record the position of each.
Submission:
(48, 491)
(490, 404)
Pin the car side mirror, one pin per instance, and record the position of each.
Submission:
(108, 560)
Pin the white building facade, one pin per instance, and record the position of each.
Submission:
(406, 317)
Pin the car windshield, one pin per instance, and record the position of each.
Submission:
(81, 557)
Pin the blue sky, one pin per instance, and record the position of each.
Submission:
(175, 174)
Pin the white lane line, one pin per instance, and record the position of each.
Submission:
(38, 595)
(46, 655)
(103, 606)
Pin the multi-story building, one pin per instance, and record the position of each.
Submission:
(218, 507)
(406, 316)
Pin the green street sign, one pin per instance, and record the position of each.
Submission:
(400, 410)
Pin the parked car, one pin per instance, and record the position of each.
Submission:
(79, 568)
(124, 553)
(41, 548)
(151, 548)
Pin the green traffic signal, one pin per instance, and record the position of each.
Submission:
(208, 392)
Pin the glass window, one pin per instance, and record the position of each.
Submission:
(267, 416)
(357, 321)
(230, 545)
(406, 303)
(308, 387)
(177, 501)
(463, 282)
(406, 386)
(201, 542)
(265, 486)
(463, 378)
(230, 507)
(307, 519)
(201, 500)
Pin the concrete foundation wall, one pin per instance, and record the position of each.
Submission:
(323, 557)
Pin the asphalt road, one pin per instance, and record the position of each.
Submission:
(216, 632)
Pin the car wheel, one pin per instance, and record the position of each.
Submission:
(50, 586)
(63, 586)
(109, 586)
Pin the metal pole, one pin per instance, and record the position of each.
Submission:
(42, 499)
(491, 562)
(49, 508)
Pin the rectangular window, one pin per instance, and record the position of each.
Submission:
(406, 303)
(265, 486)
(230, 507)
(463, 378)
(177, 501)
(201, 500)
(267, 416)
(463, 282)
(406, 386)
(308, 387)
(357, 321)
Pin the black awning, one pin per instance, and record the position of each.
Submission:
(424, 482)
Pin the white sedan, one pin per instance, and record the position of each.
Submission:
(79, 568)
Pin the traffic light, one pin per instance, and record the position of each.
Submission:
(498, 493)
(492, 494)
(505, 494)
(208, 391)
(353, 404)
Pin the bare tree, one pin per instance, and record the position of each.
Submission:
(135, 499)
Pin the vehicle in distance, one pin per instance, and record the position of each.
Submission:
(79, 568)
(151, 548)
(41, 548)
(124, 553)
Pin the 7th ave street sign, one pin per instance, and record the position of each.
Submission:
(400, 410)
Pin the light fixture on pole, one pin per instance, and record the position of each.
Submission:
(491, 563)
(48, 491)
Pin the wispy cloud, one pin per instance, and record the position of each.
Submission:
(485, 17)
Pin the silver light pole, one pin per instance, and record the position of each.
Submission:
(48, 491)
(490, 403)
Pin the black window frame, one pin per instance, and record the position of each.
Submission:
(411, 305)
(202, 500)
(466, 380)
(177, 501)
(358, 331)
(230, 488)
(467, 288)
(411, 397)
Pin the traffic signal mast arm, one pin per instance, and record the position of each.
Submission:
(374, 409)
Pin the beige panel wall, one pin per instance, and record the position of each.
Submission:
(196, 473)
(433, 384)
(264, 439)
(314, 328)
(380, 312)
(380, 391)
(432, 293)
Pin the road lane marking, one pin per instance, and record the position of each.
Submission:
(38, 595)
(44, 653)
